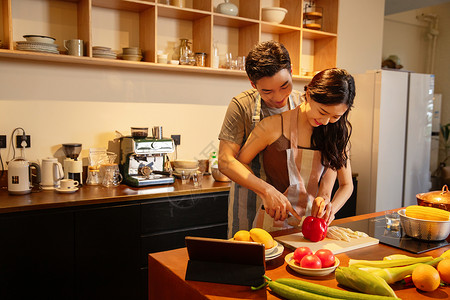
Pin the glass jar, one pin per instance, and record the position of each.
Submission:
(200, 59)
(185, 52)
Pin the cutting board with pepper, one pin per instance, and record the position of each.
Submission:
(296, 240)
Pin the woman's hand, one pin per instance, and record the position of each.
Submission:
(322, 208)
(277, 205)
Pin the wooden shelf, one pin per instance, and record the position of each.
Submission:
(309, 49)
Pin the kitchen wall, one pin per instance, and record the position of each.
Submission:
(406, 37)
(62, 103)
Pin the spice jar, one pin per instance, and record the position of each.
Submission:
(200, 59)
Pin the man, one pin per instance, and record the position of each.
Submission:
(268, 68)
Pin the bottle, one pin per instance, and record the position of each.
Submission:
(213, 161)
(215, 57)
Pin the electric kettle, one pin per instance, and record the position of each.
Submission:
(52, 173)
(19, 176)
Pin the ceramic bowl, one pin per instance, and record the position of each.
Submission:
(307, 271)
(39, 39)
(273, 14)
(185, 164)
(132, 57)
(424, 229)
(139, 132)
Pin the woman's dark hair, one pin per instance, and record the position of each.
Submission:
(330, 87)
(266, 59)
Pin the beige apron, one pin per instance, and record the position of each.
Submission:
(305, 170)
(243, 204)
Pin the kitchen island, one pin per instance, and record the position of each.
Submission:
(166, 279)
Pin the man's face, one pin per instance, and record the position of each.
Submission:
(275, 90)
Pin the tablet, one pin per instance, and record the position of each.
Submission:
(225, 261)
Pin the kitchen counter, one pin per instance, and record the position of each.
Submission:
(88, 195)
(167, 269)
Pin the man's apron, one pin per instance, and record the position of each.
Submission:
(243, 203)
(305, 170)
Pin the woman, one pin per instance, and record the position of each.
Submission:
(304, 147)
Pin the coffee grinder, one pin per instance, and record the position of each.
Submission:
(73, 168)
(143, 160)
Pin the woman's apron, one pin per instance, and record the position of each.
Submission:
(305, 170)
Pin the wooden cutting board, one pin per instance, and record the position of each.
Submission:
(296, 240)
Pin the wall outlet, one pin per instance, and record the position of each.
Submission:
(2, 141)
(19, 141)
(176, 139)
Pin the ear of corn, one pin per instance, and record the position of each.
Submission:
(363, 281)
(392, 275)
(427, 213)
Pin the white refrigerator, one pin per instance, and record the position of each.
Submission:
(391, 138)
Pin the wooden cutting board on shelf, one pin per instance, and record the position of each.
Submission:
(296, 240)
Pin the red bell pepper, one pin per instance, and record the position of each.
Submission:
(314, 229)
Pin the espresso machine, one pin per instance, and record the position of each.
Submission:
(73, 167)
(143, 160)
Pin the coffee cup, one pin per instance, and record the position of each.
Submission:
(74, 47)
(68, 184)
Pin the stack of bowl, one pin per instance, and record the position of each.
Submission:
(132, 53)
(188, 166)
(103, 52)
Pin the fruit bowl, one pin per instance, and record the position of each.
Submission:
(307, 271)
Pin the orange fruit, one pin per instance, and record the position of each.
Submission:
(242, 235)
(443, 268)
(426, 278)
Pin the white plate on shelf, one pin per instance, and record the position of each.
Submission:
(66, 191)
(276, 252)
(307, 271)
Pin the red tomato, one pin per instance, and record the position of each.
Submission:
(326, 257)
(300, 252)
(311, 261)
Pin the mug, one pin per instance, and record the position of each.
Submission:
(74, 47)
(68, 184)
(112, 176)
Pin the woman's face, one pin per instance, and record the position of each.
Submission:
(320, 114)
(275, 90)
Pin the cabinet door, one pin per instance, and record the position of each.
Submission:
(36, 256)
(175, 213)
(107, 253)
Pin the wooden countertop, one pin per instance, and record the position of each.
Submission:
(88, 195)
(168, 268)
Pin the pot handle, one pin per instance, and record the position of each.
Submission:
(58, 172)
(38, 171)
(444, 189)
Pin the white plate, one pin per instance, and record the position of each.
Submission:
(275, 245)
(310, 272)
(66, 191)
(276, 253)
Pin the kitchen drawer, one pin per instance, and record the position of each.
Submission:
(181, 212)
(175, 239)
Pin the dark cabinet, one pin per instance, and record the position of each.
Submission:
(99, 251)
(107, 253)
(37, 255)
